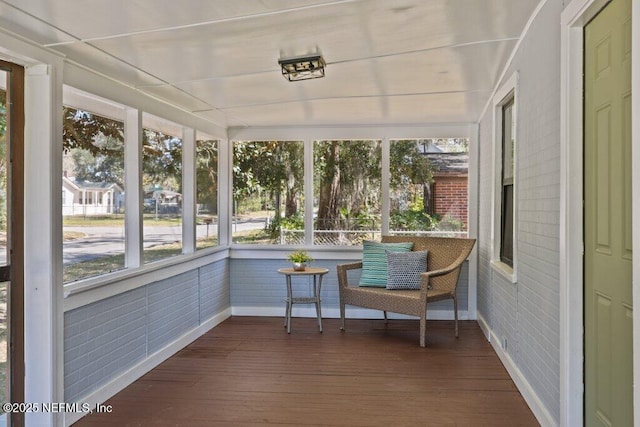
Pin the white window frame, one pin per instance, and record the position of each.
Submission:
(507, 92)
(135, 120)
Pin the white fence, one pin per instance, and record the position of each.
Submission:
(354, 237)
(88, 210)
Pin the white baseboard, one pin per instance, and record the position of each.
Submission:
(484, 326)
(128, 377)
(530, 396)
(334, 313)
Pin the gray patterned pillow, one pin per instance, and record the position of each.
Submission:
(405, 269)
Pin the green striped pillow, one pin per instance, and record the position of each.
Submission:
(374, 261)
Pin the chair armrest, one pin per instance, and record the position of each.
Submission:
(342, 272)
(425, 278)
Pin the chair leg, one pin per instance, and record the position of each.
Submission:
(423, 329)
(342, 316)
(386, 320)
(455, 314)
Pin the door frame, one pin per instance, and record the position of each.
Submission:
(15, 303)
(574, 18)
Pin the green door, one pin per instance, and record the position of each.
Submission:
(607, 218)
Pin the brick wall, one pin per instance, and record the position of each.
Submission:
(450, 198)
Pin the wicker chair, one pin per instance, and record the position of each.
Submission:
(439, 282)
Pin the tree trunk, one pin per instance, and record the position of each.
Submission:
(328, 203)
(291, 204)
(428, 199)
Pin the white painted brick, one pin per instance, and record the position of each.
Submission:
(527, 313)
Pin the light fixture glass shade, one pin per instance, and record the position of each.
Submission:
(302, 68)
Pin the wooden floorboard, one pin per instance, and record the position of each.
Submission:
(249, 372)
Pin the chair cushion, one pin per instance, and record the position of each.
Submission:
(405, 268)
(374, 261)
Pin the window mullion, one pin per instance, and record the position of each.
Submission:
(308, 192)
(188, 191)
(385, 185)
(133, 186)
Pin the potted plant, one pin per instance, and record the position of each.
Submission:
(299, 259)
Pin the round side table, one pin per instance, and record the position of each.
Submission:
(317, 274)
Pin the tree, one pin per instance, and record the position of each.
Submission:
(274, 168)
(348, 177)
(161, 161)
(328, 160)
(100, 167)
(81, 128)
(207, 174)
(96, 146)
(410, 169)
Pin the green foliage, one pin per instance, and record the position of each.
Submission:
(411, 175)
(81, 128)
(271, 169)
(295, 222)
(412, 220)
(449, 223)
(364, 219)
(3, 112)
(408, 166)
(207, 175)
(96, 146)
(299, 256)
(98, 168)
(347, 175)
(161, 161)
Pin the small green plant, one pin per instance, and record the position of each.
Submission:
(299, 256)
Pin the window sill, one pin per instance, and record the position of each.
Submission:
(504, 270)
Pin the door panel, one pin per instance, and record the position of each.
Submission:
(607, 218)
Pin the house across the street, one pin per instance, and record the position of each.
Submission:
(91, 198)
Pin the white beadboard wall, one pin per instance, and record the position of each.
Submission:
(105, 339)
(523, 318)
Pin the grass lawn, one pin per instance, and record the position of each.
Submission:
(93, 221)
(118, 220)
(260, 237)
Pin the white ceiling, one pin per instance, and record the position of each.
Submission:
(388, 61)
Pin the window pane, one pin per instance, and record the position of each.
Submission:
(268, 196)
(162, 185)
(428, 187)
(508, 145)
(92, 194)
(347, 193)
(206, 193)
(506, 241)
(507, 142)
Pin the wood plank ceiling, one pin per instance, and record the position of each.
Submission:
(388, 61)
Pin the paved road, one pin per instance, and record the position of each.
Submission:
(102, 241)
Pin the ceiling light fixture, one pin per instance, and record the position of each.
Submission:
(302, 68)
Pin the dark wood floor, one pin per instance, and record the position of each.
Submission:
(248, 371)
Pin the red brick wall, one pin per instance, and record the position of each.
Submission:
(451, 197)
